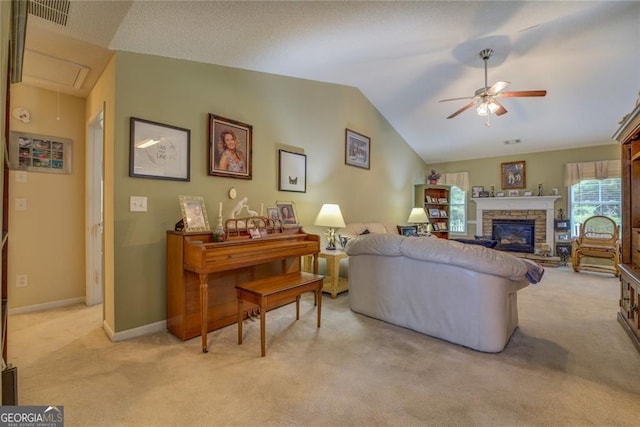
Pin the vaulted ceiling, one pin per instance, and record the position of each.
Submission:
(403, 56)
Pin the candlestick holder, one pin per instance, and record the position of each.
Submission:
(218, 232)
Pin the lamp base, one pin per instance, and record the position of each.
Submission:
(331, 247)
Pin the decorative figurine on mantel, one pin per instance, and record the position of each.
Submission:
(433, 177)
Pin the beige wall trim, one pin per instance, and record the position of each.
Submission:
(46, 306)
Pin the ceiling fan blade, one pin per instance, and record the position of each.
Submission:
(457, 99)
(519, 93)
(497, 87)
(501, 110)
(466, 107)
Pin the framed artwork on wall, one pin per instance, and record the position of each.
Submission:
(194, 213)
(292, 172)
(158, 151)
(40, 153)
(513, 175)
(357, 149)
(230, 148)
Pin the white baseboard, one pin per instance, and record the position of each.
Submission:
(135, 332)
(151, 328)
(45, 306)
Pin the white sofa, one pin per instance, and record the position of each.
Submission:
(465, 294)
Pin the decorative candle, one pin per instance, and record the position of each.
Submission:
(220, 210)
(261, 209)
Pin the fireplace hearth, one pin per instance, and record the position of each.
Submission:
(514, 235)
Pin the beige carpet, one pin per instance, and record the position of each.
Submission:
(569, 364)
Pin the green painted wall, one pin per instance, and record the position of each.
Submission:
(301, 115)
(546, 167)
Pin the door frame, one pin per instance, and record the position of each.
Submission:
(94, 215)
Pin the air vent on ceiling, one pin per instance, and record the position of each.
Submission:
(56, 11)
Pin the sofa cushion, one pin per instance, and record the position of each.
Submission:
(375, 244)
(472, 257)
(358, 228)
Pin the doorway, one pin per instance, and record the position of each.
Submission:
(95, 211)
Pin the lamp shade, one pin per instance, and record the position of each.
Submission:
(330, 216)
(417, 216)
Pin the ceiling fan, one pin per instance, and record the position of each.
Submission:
(486, 98)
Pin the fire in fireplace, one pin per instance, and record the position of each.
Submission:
(514, 235)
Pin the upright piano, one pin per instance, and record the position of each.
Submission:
(202, 274)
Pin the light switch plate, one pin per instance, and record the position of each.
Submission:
(138, 204)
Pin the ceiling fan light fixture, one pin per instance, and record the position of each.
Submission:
(486, 108)
(485, 98)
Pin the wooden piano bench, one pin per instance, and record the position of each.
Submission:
(274, 289)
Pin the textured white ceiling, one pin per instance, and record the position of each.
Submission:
(405, 56)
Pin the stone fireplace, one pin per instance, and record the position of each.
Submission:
(540, 210)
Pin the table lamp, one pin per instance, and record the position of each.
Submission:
(418, 216)
(330, 216)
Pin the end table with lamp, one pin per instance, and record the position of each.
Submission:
(419, 216)
(331, 216)
(333, 283)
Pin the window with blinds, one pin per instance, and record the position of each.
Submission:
(591, 197)
(457, 210)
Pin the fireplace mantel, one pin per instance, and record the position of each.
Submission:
(545, 203)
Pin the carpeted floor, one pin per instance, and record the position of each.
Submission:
(569, 364)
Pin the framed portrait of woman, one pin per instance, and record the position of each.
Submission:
(230, 145)
(287, 212)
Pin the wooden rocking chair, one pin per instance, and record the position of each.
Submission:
(599, 243)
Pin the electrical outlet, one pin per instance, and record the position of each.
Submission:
(21, 280)
(21, 176)
(21, 204)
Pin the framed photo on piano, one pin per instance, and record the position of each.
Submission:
(287, 212)
(194, 213)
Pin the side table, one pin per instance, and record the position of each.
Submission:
(333, 283)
